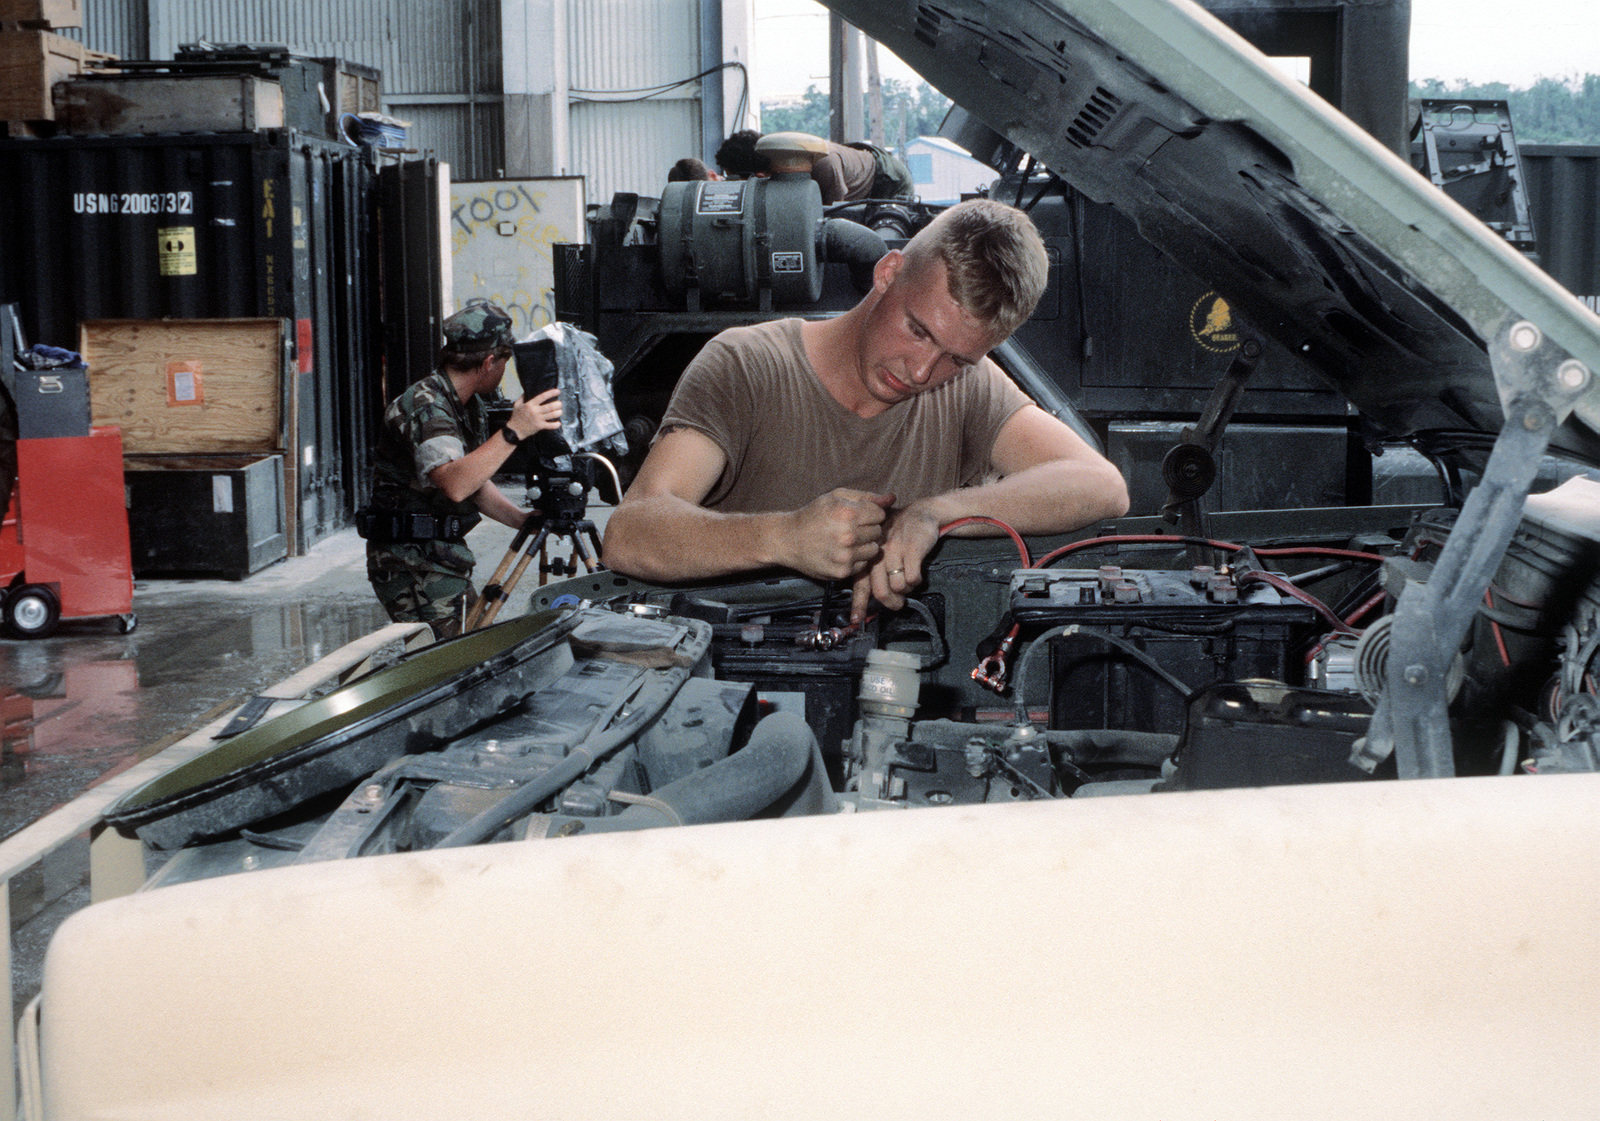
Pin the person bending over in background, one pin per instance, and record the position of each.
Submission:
(844, 172)
(837, 448)
(434, 470)
(688, 169)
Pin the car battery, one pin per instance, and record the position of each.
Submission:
(1200, 626)
(767, 655)
(1260, 734)
(773, 648)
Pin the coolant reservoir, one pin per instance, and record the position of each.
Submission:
(732, 239)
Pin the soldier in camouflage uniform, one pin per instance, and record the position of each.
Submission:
(434, 471)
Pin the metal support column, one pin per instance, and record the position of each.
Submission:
(711, 102)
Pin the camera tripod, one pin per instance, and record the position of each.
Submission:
(565, 501)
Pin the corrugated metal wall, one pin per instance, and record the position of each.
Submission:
(440, 58)
(630, 147)
(620, 45)
(421, 46)
(468, 137)
(1564, 195)
(442, 73)
(119, 27)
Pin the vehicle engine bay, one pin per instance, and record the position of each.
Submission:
(1301, 752)
(1000, 682)
(1278, 621)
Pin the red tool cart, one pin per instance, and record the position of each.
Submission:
(64, 542)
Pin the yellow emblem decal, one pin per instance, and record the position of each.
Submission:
(1211, 324)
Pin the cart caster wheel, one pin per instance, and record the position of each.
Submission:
(32, 611)
(126, 623)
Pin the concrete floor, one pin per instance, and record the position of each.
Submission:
(93, 701)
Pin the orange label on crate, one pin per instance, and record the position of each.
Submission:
(184, 384)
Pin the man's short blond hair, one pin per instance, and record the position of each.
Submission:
(993, 256)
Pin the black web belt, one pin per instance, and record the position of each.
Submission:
(396, 527)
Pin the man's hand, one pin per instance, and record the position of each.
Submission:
(473, 473)
(1051, 481)
(833, 536)
(539, 414)
(911, 533)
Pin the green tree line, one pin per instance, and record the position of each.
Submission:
(1547, 112)
(907, 113)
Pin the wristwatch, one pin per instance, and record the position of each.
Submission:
(511, 437)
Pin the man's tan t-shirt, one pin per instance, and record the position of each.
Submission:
(845, 173)
(754, 393)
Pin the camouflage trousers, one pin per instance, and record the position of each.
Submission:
(414, 590)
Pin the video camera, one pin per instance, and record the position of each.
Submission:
(560, 465)
(537, 367)
(559, 482)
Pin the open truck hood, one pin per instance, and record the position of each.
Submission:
(1317, 235)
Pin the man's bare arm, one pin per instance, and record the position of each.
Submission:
(1051, 482)
(493, 503)
(661, 532)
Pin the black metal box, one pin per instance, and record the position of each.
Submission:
(52, 402)
(214, 515)
(1253, 734)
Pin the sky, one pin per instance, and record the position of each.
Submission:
(1511, 41)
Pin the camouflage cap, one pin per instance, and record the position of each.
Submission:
(479, 324)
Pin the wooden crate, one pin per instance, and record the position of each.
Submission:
(43, 13)
(188, 386)
(197, 387)
(31, 62)
(360, 88)
(141, 104)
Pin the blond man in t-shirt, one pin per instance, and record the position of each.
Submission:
(838, 447)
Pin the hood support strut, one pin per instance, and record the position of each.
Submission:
(1539, 383)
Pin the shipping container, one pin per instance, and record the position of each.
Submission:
(414, 195)
(215, 226)
(1564, 196)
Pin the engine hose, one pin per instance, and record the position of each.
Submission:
(648, 703)
(734, 788)
(855, 245)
